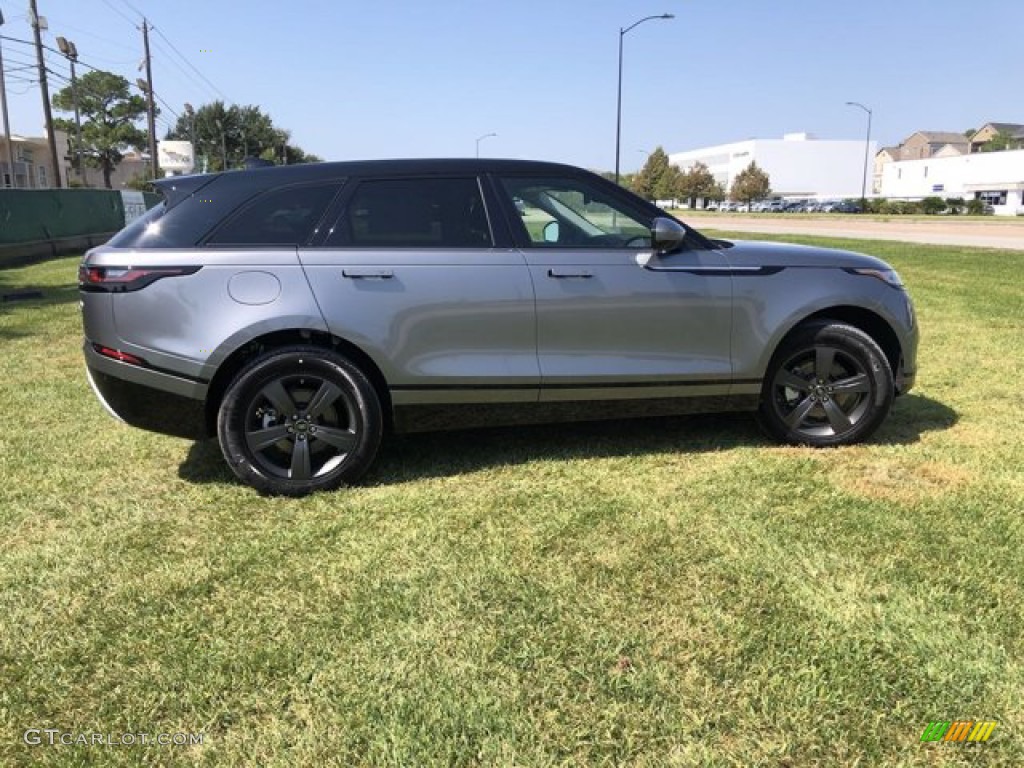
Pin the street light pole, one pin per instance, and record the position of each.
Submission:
(485, 136)
(223, 145)
(867, 150)
(7, 120)
(618, 109)
(71, 54)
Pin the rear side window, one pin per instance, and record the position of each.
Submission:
(282, 216)
(414, 213)
(136, 231)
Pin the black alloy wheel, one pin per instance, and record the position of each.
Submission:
(830, 384)
(298, 420)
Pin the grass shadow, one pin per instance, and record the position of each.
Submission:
(410, 457)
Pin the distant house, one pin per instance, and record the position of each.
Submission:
(919, 146)
(133, 165)
(988, 131)
(924, 144)
(32, 166)
(882, 157)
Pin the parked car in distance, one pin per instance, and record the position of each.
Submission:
(846, 206)
(299, 313)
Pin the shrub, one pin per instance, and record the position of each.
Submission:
(975, 207)
(955, 205)
(933, 205)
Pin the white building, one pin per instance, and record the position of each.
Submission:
(798, 165)
(997, 178)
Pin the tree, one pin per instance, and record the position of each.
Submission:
(225, 136)
(1001, 141)
(108, 114)
(750, 184)
(655, 177)
(698, 182)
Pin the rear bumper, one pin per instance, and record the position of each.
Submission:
(147, 399)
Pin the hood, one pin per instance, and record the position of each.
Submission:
(751, 253)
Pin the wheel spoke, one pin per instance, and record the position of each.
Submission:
(342, 439)
(823, 359)
(323, 399)
(260, 439)
(840, 421)
(798, 414)
(300, 460)
(792, 381)
(855, 384)
(279, 398)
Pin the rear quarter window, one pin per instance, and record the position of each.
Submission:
(283, 216)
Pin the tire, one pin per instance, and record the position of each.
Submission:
(298, 420)
(829, 384)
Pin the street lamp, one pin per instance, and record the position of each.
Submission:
(618, 110)
(867, 149)
(485, 136)
(223, 145)
(71, 54)
(7, 120)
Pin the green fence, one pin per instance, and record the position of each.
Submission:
(39, 222)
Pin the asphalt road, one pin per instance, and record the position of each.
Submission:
(986, 233)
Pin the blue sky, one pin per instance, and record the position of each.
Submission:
(408, 78)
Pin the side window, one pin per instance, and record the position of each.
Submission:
(414, 213)
(570, 213)
(282, 216)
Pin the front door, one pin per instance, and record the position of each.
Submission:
(607, 327)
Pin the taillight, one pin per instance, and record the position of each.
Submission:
(116, 354)
(122, 279)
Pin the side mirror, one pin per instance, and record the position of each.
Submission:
(550, 232)
(666, 234)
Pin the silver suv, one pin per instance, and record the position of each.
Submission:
(300, 312)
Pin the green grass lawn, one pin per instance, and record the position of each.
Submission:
(674, 592)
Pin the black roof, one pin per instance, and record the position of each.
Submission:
(315, 171)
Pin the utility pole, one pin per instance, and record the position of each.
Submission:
(151, 107)
(47, 114)
(7, 119)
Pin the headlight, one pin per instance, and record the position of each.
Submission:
(888, 276)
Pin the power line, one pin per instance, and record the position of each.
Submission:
(119, 12)
(190, 64)
(193, 80)
(166, 105)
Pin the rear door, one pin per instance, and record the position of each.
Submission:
(414, 272)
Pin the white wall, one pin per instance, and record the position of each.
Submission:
(961, 176)
(796, 168)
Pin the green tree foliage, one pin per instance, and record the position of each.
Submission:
(955, 205)
(933, 205)
(698, 182)
(658, 178)
(109, 113)
(1001, 141)
(750, 184)
(226, 135)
